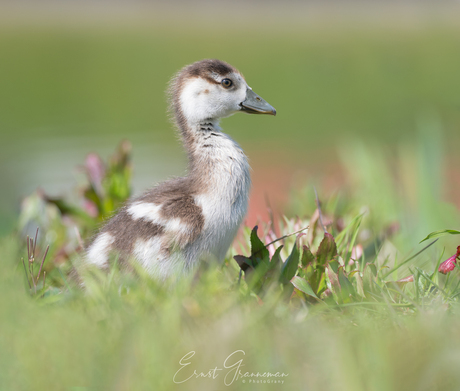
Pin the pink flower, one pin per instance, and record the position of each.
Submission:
(356, 253)
(91, 208)
(95, 170)
(449, 264)
(407, 279)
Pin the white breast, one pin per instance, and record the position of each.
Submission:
(225, 204)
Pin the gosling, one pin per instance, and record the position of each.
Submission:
(172, 227)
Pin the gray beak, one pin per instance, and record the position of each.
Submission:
(254, 104)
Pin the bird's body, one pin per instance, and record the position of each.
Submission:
(173, 226)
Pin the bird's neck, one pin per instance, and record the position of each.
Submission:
(214, 157)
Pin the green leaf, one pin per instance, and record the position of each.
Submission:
(334, 265)
(303, 286)
(256, 278)
(259, 254)
(243, 262)
(332, 281)
(352, 273)
(320, 281)
(68, 209)
(327, 250)
(287, 291)
(437, 234)
(258, 249)
(359, 285)
(317, 278)
(307, 257)
(347, 289)
(372, 268)
(289, 268)
(276, 259)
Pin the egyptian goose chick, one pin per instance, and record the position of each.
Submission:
(173, 226)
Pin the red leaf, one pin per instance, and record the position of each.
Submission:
(449, 264)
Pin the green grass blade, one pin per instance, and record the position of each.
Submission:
(437, 234)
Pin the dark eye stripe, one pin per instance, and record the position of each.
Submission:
(226, 83)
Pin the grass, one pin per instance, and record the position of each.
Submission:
(364, 331)
(129, 333)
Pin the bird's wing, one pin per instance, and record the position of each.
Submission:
(180, 218)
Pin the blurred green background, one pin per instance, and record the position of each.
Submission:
(368, 97)
(79, 78)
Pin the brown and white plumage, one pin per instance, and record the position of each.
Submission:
(171, 227)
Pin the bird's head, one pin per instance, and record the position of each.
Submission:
(212, 89)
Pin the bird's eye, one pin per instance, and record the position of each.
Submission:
(226, 83)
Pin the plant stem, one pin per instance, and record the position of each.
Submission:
(319, 211)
